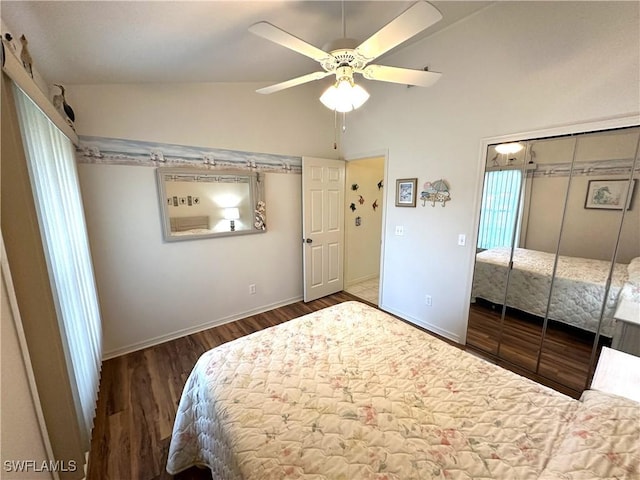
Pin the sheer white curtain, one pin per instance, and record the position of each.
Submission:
(52, 168)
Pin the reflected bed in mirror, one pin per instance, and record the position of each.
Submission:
(199, 204)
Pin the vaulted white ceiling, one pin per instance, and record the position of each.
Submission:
(92, 42)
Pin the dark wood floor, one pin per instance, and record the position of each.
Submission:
(566, 351)
(139, 394)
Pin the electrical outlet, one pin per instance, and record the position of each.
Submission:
(252, 289)
(399, 230)
(427, 300)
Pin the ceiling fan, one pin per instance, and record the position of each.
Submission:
(344, 57)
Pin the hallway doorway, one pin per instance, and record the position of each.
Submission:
(364, 195)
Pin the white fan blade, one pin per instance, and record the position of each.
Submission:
(414, 20)
(405, 76)
(279, 36)
(294, 82)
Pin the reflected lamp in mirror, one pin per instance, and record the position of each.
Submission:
(232, 214)
(197, 203)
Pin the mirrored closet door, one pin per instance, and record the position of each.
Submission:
(559, 230)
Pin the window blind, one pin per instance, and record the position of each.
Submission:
(499, 209)
(54, 180)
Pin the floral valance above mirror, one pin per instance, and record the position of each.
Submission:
(203, 204)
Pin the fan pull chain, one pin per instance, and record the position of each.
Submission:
(335, 130)
(335, 127)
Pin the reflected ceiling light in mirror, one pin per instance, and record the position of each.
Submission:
(506, 148)
(344, 96)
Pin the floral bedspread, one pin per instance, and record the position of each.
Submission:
(350, 393)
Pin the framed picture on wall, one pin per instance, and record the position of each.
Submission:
(406, 192)
(609, 194)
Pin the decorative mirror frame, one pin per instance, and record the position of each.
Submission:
(195, 227)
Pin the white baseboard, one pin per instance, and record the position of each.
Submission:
(198, 328)
(421, 323)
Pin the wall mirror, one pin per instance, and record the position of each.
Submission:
(557, 272)
(203, 204)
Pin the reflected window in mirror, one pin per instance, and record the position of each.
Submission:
(204, 204)
(500, 208)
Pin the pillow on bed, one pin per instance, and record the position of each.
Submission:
(598, 399)
(601, 440)
(633, 269)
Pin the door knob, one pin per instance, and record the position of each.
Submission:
(308, 240)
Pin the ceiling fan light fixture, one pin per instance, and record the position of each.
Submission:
(344, 96)
(344, 57)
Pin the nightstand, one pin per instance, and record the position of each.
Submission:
(618, 373)
(626, 335)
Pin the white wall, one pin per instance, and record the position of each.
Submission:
(513, 67)
(150, 290)
(21, 437)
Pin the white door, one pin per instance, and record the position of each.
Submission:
(322, 226)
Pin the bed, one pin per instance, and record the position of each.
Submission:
(197, 224)
(350, 392)
(579, 287)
